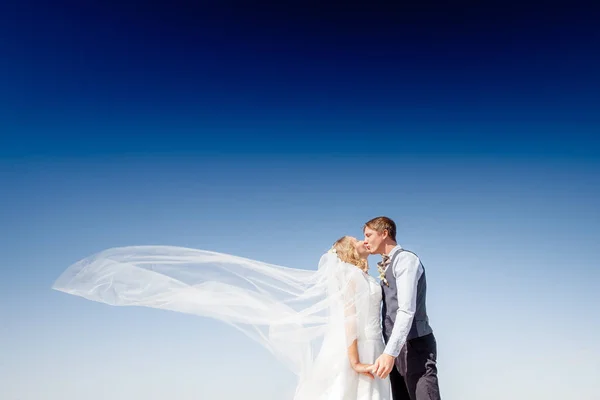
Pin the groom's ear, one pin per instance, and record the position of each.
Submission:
(385, 233)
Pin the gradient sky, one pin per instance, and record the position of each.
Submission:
(269, 132)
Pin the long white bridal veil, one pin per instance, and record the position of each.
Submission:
(305, 318)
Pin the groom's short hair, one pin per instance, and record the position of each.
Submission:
(381, 224)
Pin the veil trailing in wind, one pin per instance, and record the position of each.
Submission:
(305, 318)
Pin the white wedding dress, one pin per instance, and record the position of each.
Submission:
(305, 318)
(336, 378)
(370, 346)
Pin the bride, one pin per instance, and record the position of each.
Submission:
(324, 325)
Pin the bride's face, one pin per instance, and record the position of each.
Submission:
(360, 247)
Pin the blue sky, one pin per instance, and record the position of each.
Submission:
(269, 133)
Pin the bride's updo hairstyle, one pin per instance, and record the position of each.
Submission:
(346, 251)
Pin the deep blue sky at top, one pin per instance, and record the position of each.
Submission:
(189, 77)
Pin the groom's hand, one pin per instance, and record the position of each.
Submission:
(383, 366)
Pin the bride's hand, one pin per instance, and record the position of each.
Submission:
(365, 369)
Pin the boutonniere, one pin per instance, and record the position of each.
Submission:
(381, 268)
(382, 274)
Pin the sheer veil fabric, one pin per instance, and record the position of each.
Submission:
(304, 318)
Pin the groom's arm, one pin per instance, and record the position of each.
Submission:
(407, 271)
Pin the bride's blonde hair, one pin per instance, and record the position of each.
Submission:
(347, 253)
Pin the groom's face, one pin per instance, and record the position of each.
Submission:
(374, 240)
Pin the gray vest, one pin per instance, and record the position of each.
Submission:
(420, 325)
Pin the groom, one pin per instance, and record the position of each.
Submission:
(410, 354)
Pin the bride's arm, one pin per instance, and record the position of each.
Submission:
(351, 317)
(355, 360)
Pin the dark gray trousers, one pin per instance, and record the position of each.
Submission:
(399, 391)
(417, 363)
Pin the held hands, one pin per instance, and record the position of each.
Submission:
(364, 369)
(383, 366)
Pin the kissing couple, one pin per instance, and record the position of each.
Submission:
(342, 332)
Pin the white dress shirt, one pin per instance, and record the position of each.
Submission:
(407, 270)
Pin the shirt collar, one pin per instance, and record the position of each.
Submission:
(396, 249)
